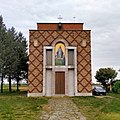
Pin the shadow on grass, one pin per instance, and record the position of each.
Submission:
(14, 93)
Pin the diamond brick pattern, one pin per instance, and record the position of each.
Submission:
(74, 38)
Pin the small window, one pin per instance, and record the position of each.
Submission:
(49, 57)
(70, 56)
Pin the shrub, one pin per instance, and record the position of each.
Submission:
(118, 91)
(116, 87)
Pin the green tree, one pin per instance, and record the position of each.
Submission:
(116, 87)
(2, 49)
(19, 49)
(22, 67)
(10, 57)
(105, 76)
(13, 54)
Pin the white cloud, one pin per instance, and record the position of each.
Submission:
(101, 16)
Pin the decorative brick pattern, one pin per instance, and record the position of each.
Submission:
(45, 38)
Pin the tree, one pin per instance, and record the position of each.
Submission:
(116, 87)
(7, 54)
(105, 76)
(13, 54)
(22, 67)
(10, 57)
(2, 49)
(19, 49)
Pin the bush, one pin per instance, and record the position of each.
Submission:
(116, 87)
(118, 91)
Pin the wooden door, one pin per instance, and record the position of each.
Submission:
(59, 82)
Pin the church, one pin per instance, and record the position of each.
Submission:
(59, 60)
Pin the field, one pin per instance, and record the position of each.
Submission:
(14, 87)
(16, 106)
(99, 108)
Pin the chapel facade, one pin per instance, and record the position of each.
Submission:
(59, 60)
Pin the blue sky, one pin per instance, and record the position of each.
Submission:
(102, 17)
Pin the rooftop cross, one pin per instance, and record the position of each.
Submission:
(60, 18)
(74, 18)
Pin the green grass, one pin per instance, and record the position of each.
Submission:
(14, 87)
(17, 106)
(105, 108)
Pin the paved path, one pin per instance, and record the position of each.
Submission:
(61, 108)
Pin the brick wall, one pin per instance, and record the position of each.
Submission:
(45, 38)
(54, 26)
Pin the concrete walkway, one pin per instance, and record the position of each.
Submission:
(61, 108)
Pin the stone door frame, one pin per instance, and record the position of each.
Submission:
(49, 72)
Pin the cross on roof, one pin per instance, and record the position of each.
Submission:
(60, 18)
(74, 18)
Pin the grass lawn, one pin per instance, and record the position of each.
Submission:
(17, 106)
(99, 108)
(23, 87)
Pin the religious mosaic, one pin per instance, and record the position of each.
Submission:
(60, 54)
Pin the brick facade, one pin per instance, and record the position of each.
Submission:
(45, 34)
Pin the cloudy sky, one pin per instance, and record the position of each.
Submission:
(100, 16)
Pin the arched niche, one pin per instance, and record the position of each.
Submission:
(58, 41)
(59, 53)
